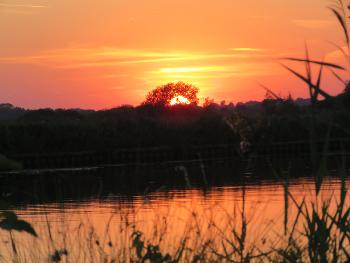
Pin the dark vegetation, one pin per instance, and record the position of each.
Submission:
(272, 120)
(8, 164)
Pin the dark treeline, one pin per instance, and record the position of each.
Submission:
(272, 120)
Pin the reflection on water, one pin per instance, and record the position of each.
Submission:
(60, 210)
(265, 201)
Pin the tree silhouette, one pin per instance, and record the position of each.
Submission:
(162, 95)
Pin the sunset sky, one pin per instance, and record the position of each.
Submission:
(104, 53)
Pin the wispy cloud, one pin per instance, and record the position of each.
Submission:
(191, 73)
(312, 23)
(248, 49)
(110, 57)
(192, 69)
(210, 71)
(22, 7)
(148, 67)
(115, 76)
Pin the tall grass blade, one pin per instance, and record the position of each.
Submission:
(342, 22)
(286, 191)
(322, 92)
(318, 84)
(271, 93)
(308, 71)
(320, 63)
(338, 77)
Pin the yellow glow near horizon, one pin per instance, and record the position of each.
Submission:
(179, 100)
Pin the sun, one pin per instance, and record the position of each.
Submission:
(179, 100)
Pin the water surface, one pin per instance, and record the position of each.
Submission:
(76, 210)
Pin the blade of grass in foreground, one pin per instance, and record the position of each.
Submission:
(322, 92)
(320, 63)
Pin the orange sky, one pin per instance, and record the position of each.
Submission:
(104, 53)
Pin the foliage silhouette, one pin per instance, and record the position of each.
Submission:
(164, 94)
(148, 125)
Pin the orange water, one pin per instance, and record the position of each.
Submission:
(164, 217)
